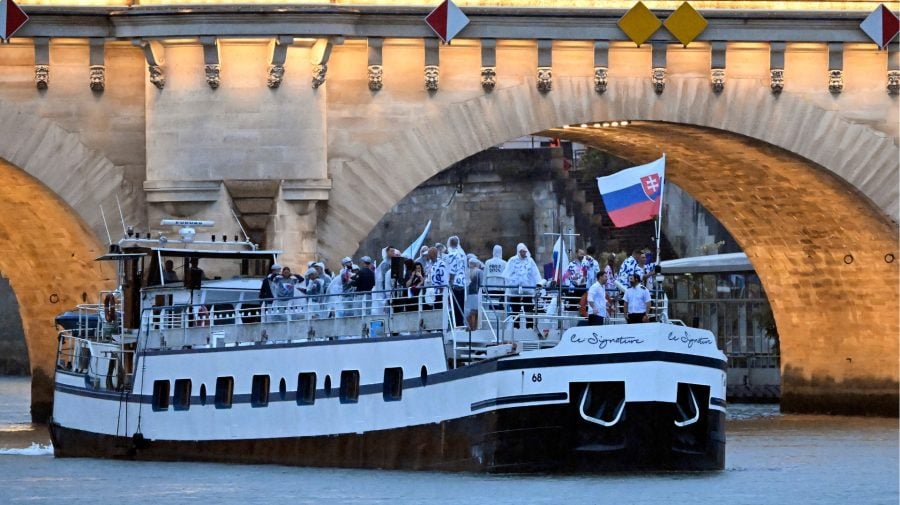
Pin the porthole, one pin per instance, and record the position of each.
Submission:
(889, 258)
(848, 259)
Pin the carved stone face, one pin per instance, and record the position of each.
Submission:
(893, 82)
(658, 78)
(212, 76)
(276, 75)
(41, 76)
(600, 79)
(432, 77)
(544, 79)
(318, 75)
(777, 80)
(835, 81)
(718, 79)
(488, 78)
(98, 77)
(376, 75)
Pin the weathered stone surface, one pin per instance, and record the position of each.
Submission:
(47, 254)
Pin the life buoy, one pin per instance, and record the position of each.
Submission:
(109, 307)
(202, 316)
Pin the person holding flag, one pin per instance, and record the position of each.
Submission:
(632, 196)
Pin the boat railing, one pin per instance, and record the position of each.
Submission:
(300, 318)
(104, 365)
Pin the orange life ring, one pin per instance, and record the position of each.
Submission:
(109, 307)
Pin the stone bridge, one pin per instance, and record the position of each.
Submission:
(311, 122)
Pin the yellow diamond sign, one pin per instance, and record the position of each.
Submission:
(639, 23)
(686, 24)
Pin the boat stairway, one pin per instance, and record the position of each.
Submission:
(469, 352)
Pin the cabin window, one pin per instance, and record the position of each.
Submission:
(306, 388)
(423, 374)
(327, 385)
(224, 392)
(282, 389)
(349, 386)
(393, 384)
(259, 392)
(160, 395)
(182, 399)
(202, 394)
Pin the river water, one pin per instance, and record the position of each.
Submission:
(771, 458)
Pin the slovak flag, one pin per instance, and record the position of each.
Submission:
(634, 194)
(560, 261)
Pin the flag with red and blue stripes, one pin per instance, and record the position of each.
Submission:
(633, 195)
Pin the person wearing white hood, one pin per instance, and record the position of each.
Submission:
(493, 276)
(522, 276)
(457, 266)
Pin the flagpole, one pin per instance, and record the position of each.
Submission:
(659, 216)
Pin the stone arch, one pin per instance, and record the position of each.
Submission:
(853, 164)
(81, 177)
(53, 186)
(48, 256)
(864, 157)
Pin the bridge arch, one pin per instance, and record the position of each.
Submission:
(53, 186)
(48, 257)
(810, 195)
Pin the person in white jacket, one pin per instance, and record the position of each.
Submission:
(493, 277)
(522, 276)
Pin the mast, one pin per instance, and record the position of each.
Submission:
(662, 192)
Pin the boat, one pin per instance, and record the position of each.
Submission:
(202, 369)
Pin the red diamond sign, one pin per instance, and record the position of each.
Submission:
(881, 26)
(446, 20)
(12, 17)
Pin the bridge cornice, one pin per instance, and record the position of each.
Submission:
(400, 22)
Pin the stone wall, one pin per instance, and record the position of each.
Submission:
(13, 353)
(499, 196)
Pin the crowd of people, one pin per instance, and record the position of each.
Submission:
(399, 284)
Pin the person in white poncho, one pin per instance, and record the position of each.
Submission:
(522, 276)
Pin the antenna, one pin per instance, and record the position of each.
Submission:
(238, 221)
(103, 215)
(121, 216)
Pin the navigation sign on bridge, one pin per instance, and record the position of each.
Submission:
(12, 17)
(446, 20)
(881, 26)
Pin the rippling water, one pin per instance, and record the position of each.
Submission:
(771, 458)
